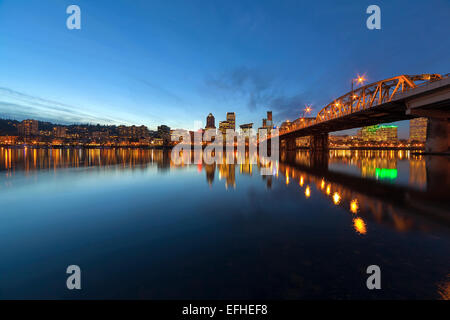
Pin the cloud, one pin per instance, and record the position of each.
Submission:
(254, 86)
(17, 105)
(259, 89)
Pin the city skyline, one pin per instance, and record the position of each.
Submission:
(144, 69)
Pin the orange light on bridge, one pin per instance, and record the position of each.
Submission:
(308, 109)
(322, 184)
(301, 182)
(307, 192)
(328, 189)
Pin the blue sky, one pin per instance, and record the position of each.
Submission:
(173, 62)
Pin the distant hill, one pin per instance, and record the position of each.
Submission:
(8, 127)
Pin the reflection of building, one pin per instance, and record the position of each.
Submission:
(28, 128)
(210, 122)
(227, 171)
(210, 170)
(418, 172)
(418, 129)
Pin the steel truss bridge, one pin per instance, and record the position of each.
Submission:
(399, 98)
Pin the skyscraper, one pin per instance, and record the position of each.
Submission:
(231, 119)
(269, 121)
(418, 129)
(210, 122)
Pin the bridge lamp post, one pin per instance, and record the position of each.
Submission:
(307, 110)
(359, 80)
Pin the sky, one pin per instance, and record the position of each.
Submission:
(174, 61)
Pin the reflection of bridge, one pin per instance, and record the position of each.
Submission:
(432, 202)
(399, 98)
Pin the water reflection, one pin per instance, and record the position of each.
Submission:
(347, 203)
(331, 175)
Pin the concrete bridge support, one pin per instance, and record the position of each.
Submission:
(438, 135)
(319, 142)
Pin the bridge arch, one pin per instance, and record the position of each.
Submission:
(373, 94)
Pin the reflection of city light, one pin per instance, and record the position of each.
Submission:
(336, 198)
(287, 180)
(301, 182)
(354, 206)
(328, 189)
(359, 225)
(384, 173)
(307, 192)
(322, 185)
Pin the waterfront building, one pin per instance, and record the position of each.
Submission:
(381, 133)
(418, 129)
(387, 133)
(60, 132)
(164, 133)
(28, 128)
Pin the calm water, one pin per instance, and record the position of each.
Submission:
(141, 227)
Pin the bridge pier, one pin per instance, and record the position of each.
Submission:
(438, 135)
(319, 142)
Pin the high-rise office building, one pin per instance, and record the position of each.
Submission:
(224, 126)
(231, 119)
(210, 122)
(269, 122)
(418, 129)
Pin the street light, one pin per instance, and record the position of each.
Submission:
(359, 80)
(307, 109)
